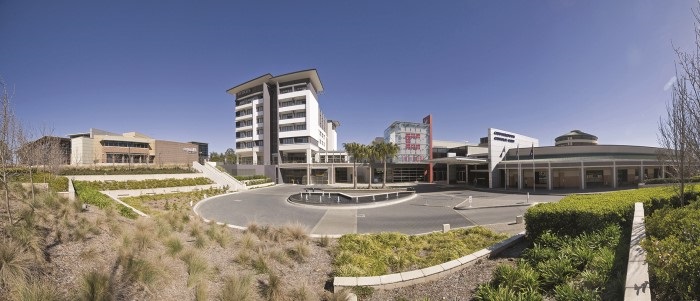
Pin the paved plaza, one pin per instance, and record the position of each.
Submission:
(432, 207)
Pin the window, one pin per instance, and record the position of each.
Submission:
(259, 109)
(260, 120)
(260, 131)
(286, 128)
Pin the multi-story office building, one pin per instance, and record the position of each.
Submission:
(279, 122)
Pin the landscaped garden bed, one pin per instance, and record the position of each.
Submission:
(387, 253)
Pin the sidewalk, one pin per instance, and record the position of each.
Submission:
(137, 177)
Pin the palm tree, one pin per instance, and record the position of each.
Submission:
(355, 151)
(385, 151)
(371, 154)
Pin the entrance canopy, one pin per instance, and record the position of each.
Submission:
(460, 160)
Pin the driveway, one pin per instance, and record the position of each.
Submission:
(426, 212)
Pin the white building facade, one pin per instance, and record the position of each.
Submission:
(279, 120)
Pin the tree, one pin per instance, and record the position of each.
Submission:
(230, 156)
(679, 131)
(371, 154)
(216, 157)
(356, 151)
(385, 151)
(9, 140)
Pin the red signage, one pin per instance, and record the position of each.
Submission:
(412, 141)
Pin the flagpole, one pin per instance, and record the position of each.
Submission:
(520, 170)
(534, 179)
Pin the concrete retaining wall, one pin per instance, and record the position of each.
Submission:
(637, 279)
(427, 274)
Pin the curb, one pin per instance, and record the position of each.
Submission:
(403, 279)
(495, 206)
(348, 207)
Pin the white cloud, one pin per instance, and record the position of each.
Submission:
(670, 83)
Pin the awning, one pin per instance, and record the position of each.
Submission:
(459, 160)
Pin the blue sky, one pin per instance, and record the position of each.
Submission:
(538, 68)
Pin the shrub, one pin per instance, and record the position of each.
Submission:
(569, 292)
(503, 293)
(89, 195)
(146, 184)
(571, 267)
(124, 171)
(576, 214)
(520, 279)
(673, 252)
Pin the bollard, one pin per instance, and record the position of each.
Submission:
(338, 199)
(357, 199)
(519, 219)
(319, 199)
(470, 201)
(445, 228)
(372, 197)
(387, 196)
(306, 197)
(397, 194)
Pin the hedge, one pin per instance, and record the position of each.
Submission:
(673, 252)
(123, 171)
(89, 195)
(56, 183)
(147, 184)
(245, 178)
(575, 214)
(671, 180)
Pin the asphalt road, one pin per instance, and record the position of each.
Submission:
(427, 211)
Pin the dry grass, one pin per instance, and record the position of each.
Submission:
(201, 291)
(300, 251)
(197, 267)
(219, 234)
(34, 290)
(15, 263)
(302, 292)
(248, 242)
(342, 295)
(296, 231)
(324, 241)
(261, 263)
(237, 288)
(272, 289)
(173, 246)
(95, 287)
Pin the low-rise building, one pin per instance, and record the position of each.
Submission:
(105, 148)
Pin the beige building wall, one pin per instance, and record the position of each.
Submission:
(82, 151)
(170, 152)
